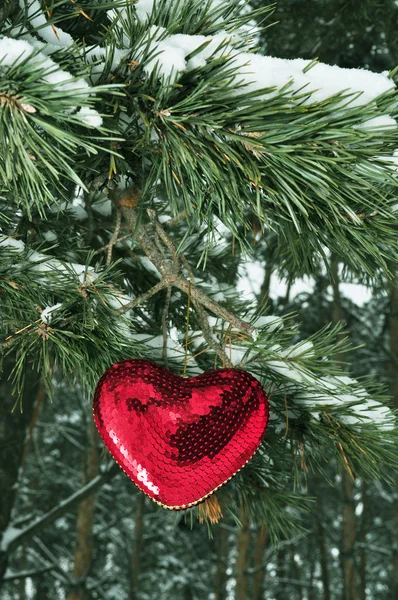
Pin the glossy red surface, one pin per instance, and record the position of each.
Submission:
(179, 439)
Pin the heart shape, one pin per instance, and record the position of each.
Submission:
(179, 439)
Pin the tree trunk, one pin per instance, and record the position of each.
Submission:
(350, 576)
(221, 541)
(136, 548)
(13, 429)
(242, 561)
(322, 548)
(281, 592)
(295, 575)
(260, 543)
(85, 520)
(311, 561)
(362, 537)
(394, 390)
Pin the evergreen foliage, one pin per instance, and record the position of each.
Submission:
(128, 184)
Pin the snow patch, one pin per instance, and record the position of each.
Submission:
(272, 323)
(334, 395)
(49, 33)
(8, 536)
(104, 207)
(46, 315)
(89, 116)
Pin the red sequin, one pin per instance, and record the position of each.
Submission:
(179, 439)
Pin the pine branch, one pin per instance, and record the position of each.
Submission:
(113, 239)
(29, 573)
(67, 504)
(147, 240)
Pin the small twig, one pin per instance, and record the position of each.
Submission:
(287, 412)
(155, 256)
(121, 239)
(63, 507)
(29, 573)
(176, 219)
(164, 323)
(207, 334)
(188, 268)
(214, 307)
(347, 464)
(187, 329)
(166, 240)
(10, 340)
(114, 237)
(151, 292)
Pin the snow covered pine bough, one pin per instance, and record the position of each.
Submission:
(148, 153)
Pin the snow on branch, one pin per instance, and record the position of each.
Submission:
(14, 52)
(13, 538)
(171, 55)
(47, 31)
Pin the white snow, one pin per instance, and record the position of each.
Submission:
(382, 121)
(50, 236)
(149, 266)
(13, 51)
(292, 372)
(8, 536)
(337, 393)
(46, 315)
(300, 349)
(89, 116)
(104, 207)
(49, 33)
(43, 263)
(119, 300)
(144, 8)
(76, 209)
(260, 72)
(271, 322)
(9, 242)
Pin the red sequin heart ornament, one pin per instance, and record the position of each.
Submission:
(179, 439)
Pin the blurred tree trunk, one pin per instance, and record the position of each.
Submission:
(311, 561)
(350, 580)
(323, 556)
(362, 537)
(136, 548)
(242, 560)
(295, 574)
(280, 593)
(394, 390)
(221, 541)
(44, 589)
(260, 543)
(22, 580)
(85, 520)
(350, 575)
(13, 431)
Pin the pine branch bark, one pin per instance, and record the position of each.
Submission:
(67, 504)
